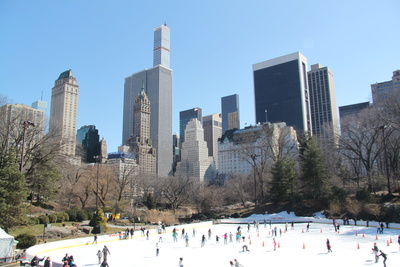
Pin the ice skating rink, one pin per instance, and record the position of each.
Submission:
(351, 246)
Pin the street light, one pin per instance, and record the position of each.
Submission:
(98, 160)
(25, 125)
(253, 157)
(383, 127)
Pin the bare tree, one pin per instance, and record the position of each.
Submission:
(176, 190)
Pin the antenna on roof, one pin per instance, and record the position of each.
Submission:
(41, 97)
(165, 23)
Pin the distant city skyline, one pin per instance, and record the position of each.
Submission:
(102, 52)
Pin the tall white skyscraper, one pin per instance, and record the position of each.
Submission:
(323, 102)
(195, 162)
(161, 52)
(64, 111)
(158, 83)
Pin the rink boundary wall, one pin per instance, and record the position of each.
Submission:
(42, 249)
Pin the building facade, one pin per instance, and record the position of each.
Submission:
(64, 112)
(125, 167)
(237, 145)
(324, 117)
(281, 91)
(140, 142)
(88, 143)
(212, 125)
(17, 120)
(184, 118)
(383, 90)
(195, 162)
(158, 83)
(352, 109)
(230, 112)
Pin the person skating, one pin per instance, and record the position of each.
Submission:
(104, 263)
(99, 254)
(328, 245)
(274, 243)
(245, 248)
(180, 262)
(231, 264)
(105, 252)
(187, 240)
(157, 248)
(94, 239)
(375, 250)
(47, 262)
(35, 261)
(384, 256)
(203, 240)
(237, 264)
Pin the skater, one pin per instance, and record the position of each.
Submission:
(308, 227)
(203, 240)
(147, 234)
(66, 257)
(104, 264)
(132, 232)
(47, 262)
(209, 234)
(187, 240)
(231, 264)
(245, 248)
(157, 250)
(375, 250)
(248, 227)
(180, 262)
(175, 235)
(183, 233)
(94, 239)
(105, 252)
(217, 239)
(274, 243)
(194, 232)
(398, 241)
(35, 261)
(328, 245)
(225, 238)
(384, 256)
(99, 254)
(237, 264)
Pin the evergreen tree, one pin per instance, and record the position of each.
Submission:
(13, 192)
(98, 219)
(314, 172)
(151, 202)
(283, 180)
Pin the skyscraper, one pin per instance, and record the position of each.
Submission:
(230, 112)
(88, 140)
(161, 51)
(184, 118)
(158, 83)
(212, 125)
(322, 102)
(281, 91)
(64, 111)
(383, 90)
(140, 142)
(195, 162)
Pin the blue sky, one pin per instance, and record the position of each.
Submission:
(213, 47)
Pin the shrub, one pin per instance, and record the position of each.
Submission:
(99, 219)
(52, 218)
(81, 216)
(89, 214)
(64, 217)
(43, 219)
(363, 195)
(33, 220)
(72, 215)
(25, 241)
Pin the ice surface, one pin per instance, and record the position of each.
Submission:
(296, 247)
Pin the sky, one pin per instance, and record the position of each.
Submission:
(213, 47)
(351, 245)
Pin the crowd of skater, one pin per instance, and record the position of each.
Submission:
(240, 236)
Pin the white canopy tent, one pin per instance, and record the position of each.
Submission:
(6, 246)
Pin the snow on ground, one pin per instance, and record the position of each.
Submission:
(296, 247)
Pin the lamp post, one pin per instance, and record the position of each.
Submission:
(253, 157)
(98, 159)
(383, 127)
(25, 125)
